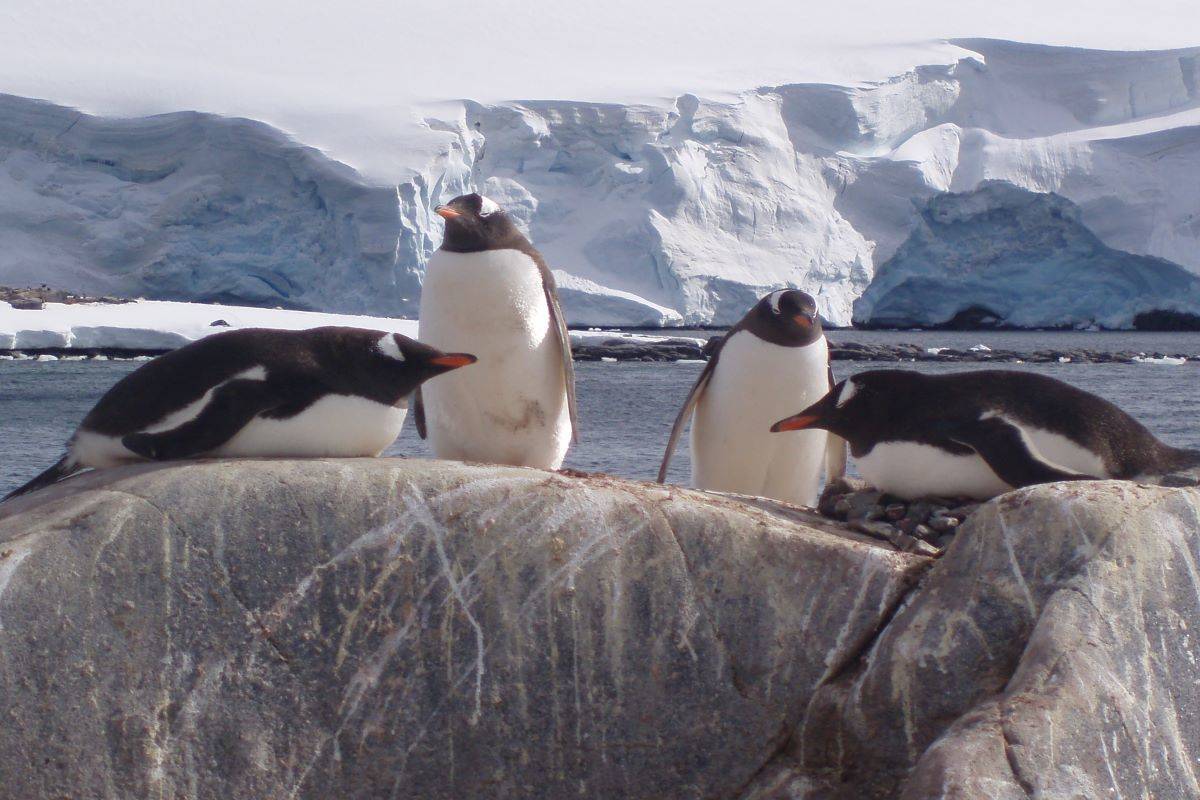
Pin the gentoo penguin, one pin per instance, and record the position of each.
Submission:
(256, 392)
(773, 358)
(979, 434)
(487, 290)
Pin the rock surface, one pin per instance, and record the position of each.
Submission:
(390, 628)
(1048, 654)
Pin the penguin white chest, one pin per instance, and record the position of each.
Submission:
(336, 425)
(911, 470)
(510, 407)
(755, 384)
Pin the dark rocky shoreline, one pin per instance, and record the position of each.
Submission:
(627, 349)
(852, 351)
(681, 349)
(34, 298)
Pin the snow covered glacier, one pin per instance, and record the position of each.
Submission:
(670, 212)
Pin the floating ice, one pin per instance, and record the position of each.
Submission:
(1168, 360)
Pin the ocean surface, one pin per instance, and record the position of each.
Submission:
(626, 408)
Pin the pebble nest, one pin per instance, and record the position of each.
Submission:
(923, 526)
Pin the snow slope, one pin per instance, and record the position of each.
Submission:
(1004, 256)
(659, 211)
(157, 325)
(165, 325)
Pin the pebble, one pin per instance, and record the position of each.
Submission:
(943, 524)
(920, 526)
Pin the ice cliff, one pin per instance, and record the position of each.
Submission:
(679, 211)
(1006, 257)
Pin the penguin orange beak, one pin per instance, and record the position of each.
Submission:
(797, 422)
(803, 320)
(446, 212)
(820, 414)
(454, 360)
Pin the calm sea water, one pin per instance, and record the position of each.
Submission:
(626, 409)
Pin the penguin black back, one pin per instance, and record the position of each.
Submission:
(334, 358)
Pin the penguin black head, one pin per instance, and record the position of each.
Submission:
(420, 360)
(843, 410)
(786, 317)
(851, 407)
(474, 223)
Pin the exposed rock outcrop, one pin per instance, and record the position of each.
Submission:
(1048, 654)
(390, 628)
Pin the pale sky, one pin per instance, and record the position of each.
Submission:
(169, 52)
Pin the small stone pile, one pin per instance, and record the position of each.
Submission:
(917, 526)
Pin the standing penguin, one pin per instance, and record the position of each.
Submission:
(979, 434)
(256, 392)
(488, 290)
(775, 355)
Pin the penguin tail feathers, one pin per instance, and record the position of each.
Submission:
(60, 470)
(1186, 459)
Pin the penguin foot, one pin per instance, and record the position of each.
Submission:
(575, 473)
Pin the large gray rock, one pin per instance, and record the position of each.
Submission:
(384, 628)
(389, 628)
(1050, 653)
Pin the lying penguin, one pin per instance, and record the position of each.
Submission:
(979, 434)
(255, 392)
(773, 358)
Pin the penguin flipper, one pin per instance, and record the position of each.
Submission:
(559, 322)
(689, 406)
(418, 409)
(564, 345)
(1000, 444)
(63, 468)
(231, 408)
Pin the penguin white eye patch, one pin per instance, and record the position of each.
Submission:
(776, 296)
(487, 206)
(849, 389)
(387, 345)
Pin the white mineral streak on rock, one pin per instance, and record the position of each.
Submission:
(1016, 567)
(433, 528)
(13, 554)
